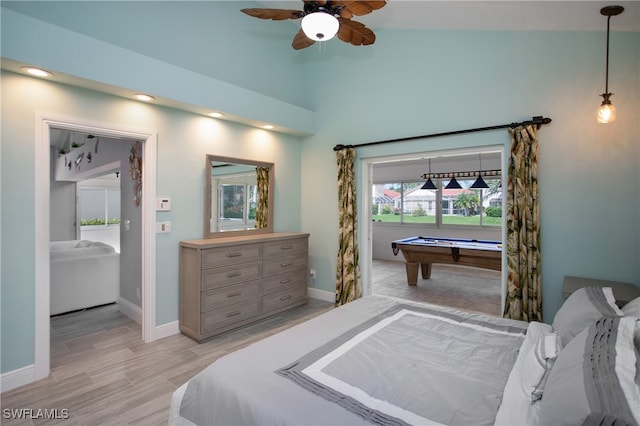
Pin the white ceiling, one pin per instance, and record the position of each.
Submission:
(547, 15)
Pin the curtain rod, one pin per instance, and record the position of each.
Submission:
(537, 121)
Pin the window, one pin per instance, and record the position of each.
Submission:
(237, 201)
(99, 206)
(407, 202)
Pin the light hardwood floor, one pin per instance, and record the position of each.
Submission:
(102, 373)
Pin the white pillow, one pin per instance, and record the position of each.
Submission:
(537, 365)
(527, 378)
(632, 309)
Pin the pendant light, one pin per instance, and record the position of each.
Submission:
(607, 112)
(453, 184)
(479, 183)
(429, 183)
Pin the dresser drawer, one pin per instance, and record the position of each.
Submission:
(284, 248)
(231, 255)
(275, 301)
(222, 277)
(225, 282)
(288, 264)
(230, 295)
(285, 281)
(229, 315)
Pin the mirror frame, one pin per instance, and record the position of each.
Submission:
(207, 198)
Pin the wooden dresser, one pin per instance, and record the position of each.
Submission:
(229, 282)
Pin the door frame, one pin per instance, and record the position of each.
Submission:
(43, 124)
(366, 178)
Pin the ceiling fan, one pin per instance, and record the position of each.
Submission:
(322, 19)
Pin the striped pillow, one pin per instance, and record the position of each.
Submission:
(584, 306)
(593, 379)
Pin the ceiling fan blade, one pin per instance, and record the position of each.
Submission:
(274, 14)
(359, 8)
(300, 41)
(355, 33)
(346, 13)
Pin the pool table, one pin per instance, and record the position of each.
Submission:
(424, 251)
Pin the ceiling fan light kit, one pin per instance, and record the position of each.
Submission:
(323, 19)
(320, 26)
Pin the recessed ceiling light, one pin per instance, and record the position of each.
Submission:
(143, 97)
(38, 72)
(215, 114)
(268, 127)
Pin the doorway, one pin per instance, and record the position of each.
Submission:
(44, 123)
(395, 207)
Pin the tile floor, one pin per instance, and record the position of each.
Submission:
(461, 287)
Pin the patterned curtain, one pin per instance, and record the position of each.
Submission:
(348, 272)
(524, 287)
(262, 209)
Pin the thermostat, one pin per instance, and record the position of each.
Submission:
(163, 204)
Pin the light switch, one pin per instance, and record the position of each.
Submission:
(163, 204)
(162, 227)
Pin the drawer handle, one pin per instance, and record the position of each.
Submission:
(287, 297)
(234, 274)
(237, 293)
(233, 314)
(234, 254)
(285, 281)
(284, 265)
(286, 247)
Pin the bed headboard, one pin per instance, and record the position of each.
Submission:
(623, 292)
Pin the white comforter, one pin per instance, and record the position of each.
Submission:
(400, 368)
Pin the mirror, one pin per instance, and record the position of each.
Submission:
(238, 197)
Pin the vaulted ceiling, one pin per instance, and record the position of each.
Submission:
(396, 15)
(537, 15)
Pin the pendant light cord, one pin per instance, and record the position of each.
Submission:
(606, 74)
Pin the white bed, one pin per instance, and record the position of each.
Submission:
(383, 361)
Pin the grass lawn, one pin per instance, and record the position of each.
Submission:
(446, 220)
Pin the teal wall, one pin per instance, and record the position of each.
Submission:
(589, 174)
(183, 141)
(409, 83)
(211, 38)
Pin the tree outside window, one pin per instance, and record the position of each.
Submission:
(407, 202)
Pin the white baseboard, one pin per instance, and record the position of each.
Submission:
(135, 313)
(168, 329)
(131, 310)
(16, 378)
(327, 296)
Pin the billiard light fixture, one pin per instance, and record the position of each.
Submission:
(453, 184)
(606, 111)
(429, 183)
(479, 183)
